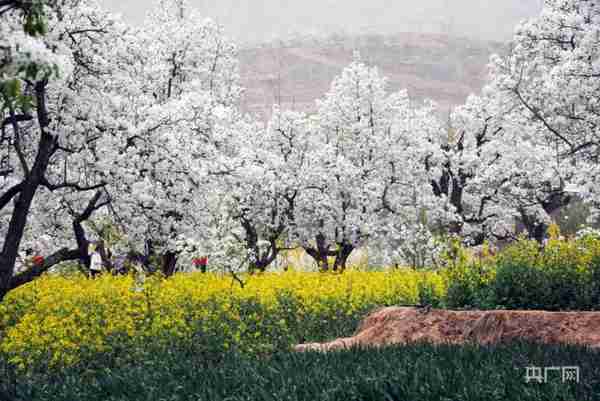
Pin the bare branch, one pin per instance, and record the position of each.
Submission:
(17, 141)
(71, 185)
(4, 173)
(8, 195)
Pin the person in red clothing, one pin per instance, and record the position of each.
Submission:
(35, 260)
(201, 263)
(38, 260)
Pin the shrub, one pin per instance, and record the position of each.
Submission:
(557, 277)
(469, 285)
(562, 275)
(432, 293)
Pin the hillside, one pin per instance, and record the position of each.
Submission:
(431, 66)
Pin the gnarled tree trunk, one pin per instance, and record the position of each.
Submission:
(321, 253)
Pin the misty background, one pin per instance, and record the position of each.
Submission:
(291, 50)
(265, 20)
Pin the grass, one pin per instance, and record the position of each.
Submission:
(415, 372)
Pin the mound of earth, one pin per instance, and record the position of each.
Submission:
(401, 325)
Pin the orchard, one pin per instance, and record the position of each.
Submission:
(134, 136)
(147, 222)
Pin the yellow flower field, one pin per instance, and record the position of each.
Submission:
(58, 321)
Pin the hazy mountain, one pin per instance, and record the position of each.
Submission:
(431, 62)
(438, 67)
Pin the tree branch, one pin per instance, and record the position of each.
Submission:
(4, 173)
(536, 113)
(17, 142)
(16, 118)
(60, 256)
(72, 185)
(8, 195)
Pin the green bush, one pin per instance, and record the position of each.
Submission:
(558, 277)
(469, 285)
(428, 295)
(519, 287)
(563, 275)
(595, 283)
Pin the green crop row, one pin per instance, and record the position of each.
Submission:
(415, 372)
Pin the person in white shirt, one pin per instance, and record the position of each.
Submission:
(96, 259)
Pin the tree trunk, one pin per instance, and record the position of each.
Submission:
(30, 184)
(147, 259)
(320, 257)
(22, 278)
(106, 256)
(342, 257)
(16, 227)
(21, 210)
(262, 262)
(63, 255)
(536, 229)
(169, 261)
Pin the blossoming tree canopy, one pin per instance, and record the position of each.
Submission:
(553, 71)
(179, 85)
(552, 75)
(539, 97)
(355, 145)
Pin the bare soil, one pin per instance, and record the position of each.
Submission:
(402, 325)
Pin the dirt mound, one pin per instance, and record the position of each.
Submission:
(396, 325)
